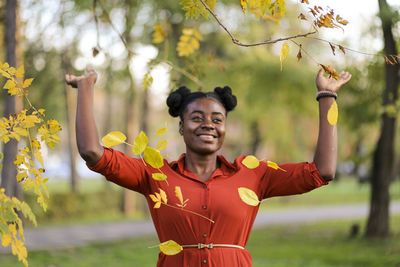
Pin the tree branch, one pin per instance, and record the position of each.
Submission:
(130, 52)
(237, 42)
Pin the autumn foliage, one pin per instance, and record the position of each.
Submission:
(32, 130)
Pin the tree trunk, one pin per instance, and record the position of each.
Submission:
(382, 169)
(9, 171)
(255, 132)
(129, 197)
(70, 104)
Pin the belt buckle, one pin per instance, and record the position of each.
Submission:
(201, 246)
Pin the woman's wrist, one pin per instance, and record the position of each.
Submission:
(85, 84)
(325, 93)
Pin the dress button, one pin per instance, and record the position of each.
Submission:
(204, 207)
(204, 186)
(204, 261)
(205, 235)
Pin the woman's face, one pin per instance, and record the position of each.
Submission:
(203, 126)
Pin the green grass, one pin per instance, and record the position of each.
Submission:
(316, 244)
(344, 191)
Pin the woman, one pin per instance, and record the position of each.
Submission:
(207, 179)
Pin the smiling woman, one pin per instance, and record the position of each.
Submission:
(226, 195)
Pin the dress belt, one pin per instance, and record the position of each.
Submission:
(211, 245)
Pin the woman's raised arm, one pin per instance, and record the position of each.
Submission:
(87, 137)
(325, 157)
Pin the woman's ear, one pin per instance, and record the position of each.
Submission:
(181, 127)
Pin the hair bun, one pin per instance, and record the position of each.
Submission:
(176, 99)
(228, 99)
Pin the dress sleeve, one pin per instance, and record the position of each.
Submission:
(123, 170)
(291, 179)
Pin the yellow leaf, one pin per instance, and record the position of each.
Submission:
(30, 121)
(27, 83)
(333, 113)
(188, 42)
(140, 143)
(12, 228)
(170, 247)
(153, 157)
(113, 138)
(163, 196)
(284, 52)
(274, 165)
(194, 8)
(6, 240)
(20, 72)
(9, 84)
(162, 144)
(162, 130)
(13, 91)
(159, 176)
(54, 126)
(157, 205)
(178, 194)
(21, 176)
(153, 197)
(243, 4)
(159, 34)
(251, 162)
(248, 196)
(147, 80)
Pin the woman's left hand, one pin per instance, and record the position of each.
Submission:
(329, 83)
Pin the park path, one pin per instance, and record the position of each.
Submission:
(81, 235)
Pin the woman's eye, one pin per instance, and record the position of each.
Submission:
(196, 118)
(217, 120)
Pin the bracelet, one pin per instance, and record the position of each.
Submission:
(325, 93)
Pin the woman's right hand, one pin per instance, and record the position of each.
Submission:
(90, 78)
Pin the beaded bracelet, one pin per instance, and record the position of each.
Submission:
(325, 93)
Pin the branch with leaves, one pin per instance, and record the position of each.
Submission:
(29, 124)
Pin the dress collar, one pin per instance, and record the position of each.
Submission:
(225, 169)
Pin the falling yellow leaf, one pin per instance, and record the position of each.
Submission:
(251, 162)
(178, 193)
(153, 157)
(274, 165)
(170, 247)
(333, 113)
(163, 196)
(162, 144)
(161, 131)
(154, 198)
(159, 176)
(248, 196)
(140, 143)
(113, 139)
(284, 52)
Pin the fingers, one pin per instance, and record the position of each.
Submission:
(320, 73)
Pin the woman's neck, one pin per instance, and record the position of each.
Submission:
(202, 166)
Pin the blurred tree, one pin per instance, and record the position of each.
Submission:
(9, 171)
(382, 168)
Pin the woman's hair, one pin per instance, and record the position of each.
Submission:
(178, 100)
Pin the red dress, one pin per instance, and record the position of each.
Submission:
(217, 199)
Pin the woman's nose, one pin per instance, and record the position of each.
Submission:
(207, 124)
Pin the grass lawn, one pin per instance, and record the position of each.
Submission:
(316, 244)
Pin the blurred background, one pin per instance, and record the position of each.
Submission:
(276, 118)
